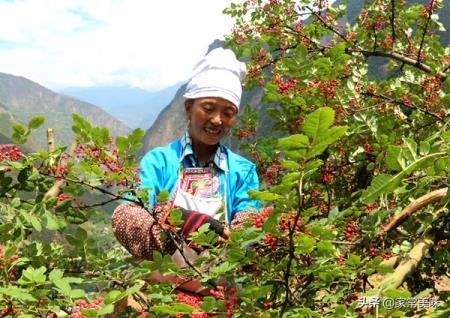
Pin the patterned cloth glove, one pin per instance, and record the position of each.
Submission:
(138, 232)
(193, 220)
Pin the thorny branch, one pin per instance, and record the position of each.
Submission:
(401, 58)
(405, 105)
(425, 29)
(173, 236)
(327, 25)
(392, 19)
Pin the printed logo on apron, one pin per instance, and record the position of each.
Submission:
(198, 189)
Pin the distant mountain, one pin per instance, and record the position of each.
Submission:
(22, 99)
(136, 107)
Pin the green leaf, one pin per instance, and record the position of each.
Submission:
(63, 285)
(174, 309)
(224, 268)
(121, 143)
(312, 166)
(446, 136)
(410, 149)
(136, 136)
(263, 195)
(235, 255)
(294, 142)
(108, 309)
(135, 288)
(326, 138)
(325, 248)
(36, 122)
(384, 183)
(63, 206)
(208, 304)
(424, 148)
(35, 222)
(55, 274)
(90, 313)
(81, 234)
(353, 260)
(394, 158)
(163, 196)
(305, 242)
(318, 122)
(290, 165)
(299, 53)
(19, 129)
(52, 222)
(113, 296)
(81, 122)
(77, 293)
(17, 293)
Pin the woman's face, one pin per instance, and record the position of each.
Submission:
(211, 119)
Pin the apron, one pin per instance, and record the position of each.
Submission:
(198, 189)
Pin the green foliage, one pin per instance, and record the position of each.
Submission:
(350, 153)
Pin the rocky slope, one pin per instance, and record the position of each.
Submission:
(24, 99)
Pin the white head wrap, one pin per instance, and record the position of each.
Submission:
(218, 74)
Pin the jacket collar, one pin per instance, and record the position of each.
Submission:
(219, 158)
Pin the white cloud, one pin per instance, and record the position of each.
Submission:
(149, 44)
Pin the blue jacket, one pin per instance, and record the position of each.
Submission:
(159, 170)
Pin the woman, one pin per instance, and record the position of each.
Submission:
(202, 176)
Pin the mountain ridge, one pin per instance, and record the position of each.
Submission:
(136, 107)
(24, 99)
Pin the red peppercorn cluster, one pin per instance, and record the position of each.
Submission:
(4, 262)
(63, 196)
(431, 86)
(10, 152)
(285, 85)
(372, 251)
(298, 27)
(191, 300)
(351, 230)
(104, 157)
(370, 207)
(429, 8)
(288, 220)
(230, 300)
(388, 41)
(244, 134)
(377, 24)
(327, 172)
(60, 170)
(367, 147)
(81, 304)
(258, 219)
(270, 175)
(8, 311)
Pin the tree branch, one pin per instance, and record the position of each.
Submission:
(416, 205)
(326, 24)
(57, 187)
(409, 264)
(413, 107)
(399, 57)
(392, 18)
(419, 52)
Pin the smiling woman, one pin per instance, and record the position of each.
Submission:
(210, 119)
(203, 177)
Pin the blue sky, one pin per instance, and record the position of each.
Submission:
(138, 43)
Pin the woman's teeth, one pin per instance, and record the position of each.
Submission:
(212, 131)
